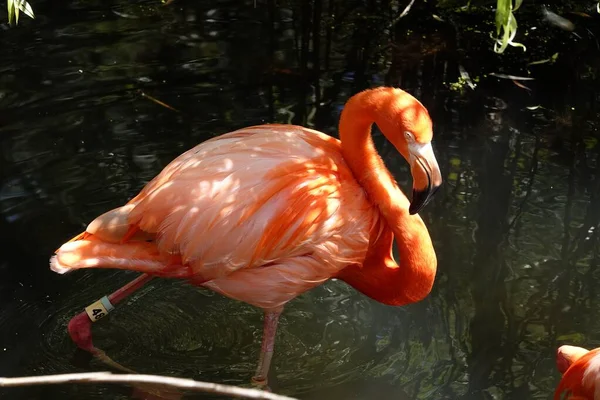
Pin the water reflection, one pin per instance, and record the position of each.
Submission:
(515, 226)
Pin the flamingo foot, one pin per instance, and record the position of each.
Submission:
(260, 382)
(262, 385)
(80, 330)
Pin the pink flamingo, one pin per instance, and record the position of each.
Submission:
(581, 373)
(268, 212)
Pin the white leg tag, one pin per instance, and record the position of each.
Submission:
(99, 309)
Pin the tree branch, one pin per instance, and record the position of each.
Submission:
(107, 377)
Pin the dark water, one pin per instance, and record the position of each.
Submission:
(515, 225)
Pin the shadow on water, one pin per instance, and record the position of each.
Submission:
(515, 225)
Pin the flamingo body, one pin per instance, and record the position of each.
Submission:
(268, 212)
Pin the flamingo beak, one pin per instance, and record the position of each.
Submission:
(427, 177)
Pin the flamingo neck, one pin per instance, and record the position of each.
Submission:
(380, 277)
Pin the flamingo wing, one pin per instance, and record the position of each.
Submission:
(254, 196)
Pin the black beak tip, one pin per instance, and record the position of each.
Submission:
(420, 198)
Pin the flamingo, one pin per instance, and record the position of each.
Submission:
(581, 373)
(268, 212)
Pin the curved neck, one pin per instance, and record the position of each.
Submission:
(380, 277)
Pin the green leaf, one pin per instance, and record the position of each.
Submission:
(517, 4)
(26, 8)
(14, 7)
(506, 22)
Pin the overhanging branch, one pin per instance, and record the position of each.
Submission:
(107, 377)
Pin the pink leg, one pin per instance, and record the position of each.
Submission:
(271, 319)
(80, 326)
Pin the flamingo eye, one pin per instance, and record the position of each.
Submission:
(409, 136)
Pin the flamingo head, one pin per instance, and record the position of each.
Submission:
(407, 124)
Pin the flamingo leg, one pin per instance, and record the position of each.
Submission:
(80, 326)
(271, 318)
